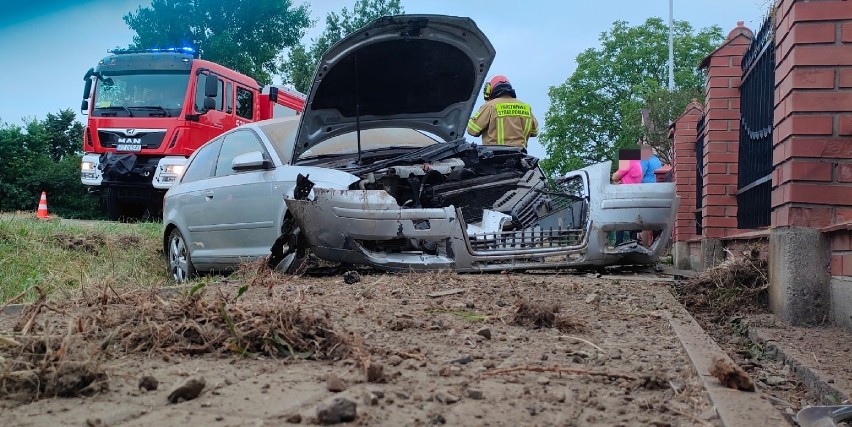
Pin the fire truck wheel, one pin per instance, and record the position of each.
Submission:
(180, 263)
(118, 210)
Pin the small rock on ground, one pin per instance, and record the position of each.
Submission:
(188, 390)
(446, 397)
(370, 399)
(351, 277)
(484, 332)
(376, 373)
(394, 360)
(334, 384)
(377, 391)
(148, 383)
(339, 410)
(474, 393)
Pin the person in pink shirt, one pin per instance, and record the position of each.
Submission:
(629, 172)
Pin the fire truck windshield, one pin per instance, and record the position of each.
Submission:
(140, 94)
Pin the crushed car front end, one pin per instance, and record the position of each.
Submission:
(531, 226)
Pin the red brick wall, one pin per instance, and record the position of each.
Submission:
(841, 253)
(812, 154)
(684, 165)
(721, 140)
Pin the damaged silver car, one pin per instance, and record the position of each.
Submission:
(377, 172)
(451, 205)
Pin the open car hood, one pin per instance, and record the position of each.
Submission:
(408, 71)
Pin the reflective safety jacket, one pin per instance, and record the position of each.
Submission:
(504, 121)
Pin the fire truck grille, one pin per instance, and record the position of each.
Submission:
(147, 140)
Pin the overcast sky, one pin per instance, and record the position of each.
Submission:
(47, 45)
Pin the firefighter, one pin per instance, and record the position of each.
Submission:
(503, 119)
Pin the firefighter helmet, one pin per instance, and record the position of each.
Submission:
(493, 83)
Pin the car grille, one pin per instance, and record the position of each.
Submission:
(525, 239)
(533, 206)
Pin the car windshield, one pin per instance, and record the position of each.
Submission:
(283, 135)
(140, 94)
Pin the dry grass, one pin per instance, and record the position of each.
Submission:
(41, 359)
(737, 285)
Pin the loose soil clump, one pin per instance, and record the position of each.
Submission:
(731, 375)
(540, 315)
(91, 243)
(34, 367)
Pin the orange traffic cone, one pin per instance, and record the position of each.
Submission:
(42, 206)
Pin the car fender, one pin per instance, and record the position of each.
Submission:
(321, 177)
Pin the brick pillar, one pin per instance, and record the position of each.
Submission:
(812, 158)
(683, 163)
(721, 140)
(812, 154)
(683, 135)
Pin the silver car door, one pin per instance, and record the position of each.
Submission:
(241, 204)
(191, 203)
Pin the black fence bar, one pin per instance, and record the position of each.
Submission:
(757, 104)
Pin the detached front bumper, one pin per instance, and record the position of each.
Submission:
(368, 227)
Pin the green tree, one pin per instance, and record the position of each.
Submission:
(300, 68)
(43, 156)
(662, 108)
(246, 35)
(58, 135)
(599, 107)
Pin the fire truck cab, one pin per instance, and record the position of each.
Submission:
(148, 110)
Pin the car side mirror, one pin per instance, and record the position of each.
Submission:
(253, 160)
(84, 106)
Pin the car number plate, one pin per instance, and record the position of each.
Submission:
(128, 147)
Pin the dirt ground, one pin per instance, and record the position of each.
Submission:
(730, 302)
(607, 356)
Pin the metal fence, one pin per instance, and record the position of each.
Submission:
(699, 174)
(757, 102)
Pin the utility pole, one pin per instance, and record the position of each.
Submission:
(671, 46)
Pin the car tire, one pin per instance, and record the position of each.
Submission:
(177, 253)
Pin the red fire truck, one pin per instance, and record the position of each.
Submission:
(150, 109)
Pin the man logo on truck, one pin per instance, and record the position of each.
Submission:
(129, 140)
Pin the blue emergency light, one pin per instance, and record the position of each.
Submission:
(187, 50)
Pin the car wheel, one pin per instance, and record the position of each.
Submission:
(180, 263)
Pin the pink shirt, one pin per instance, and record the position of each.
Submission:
(633, 173)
